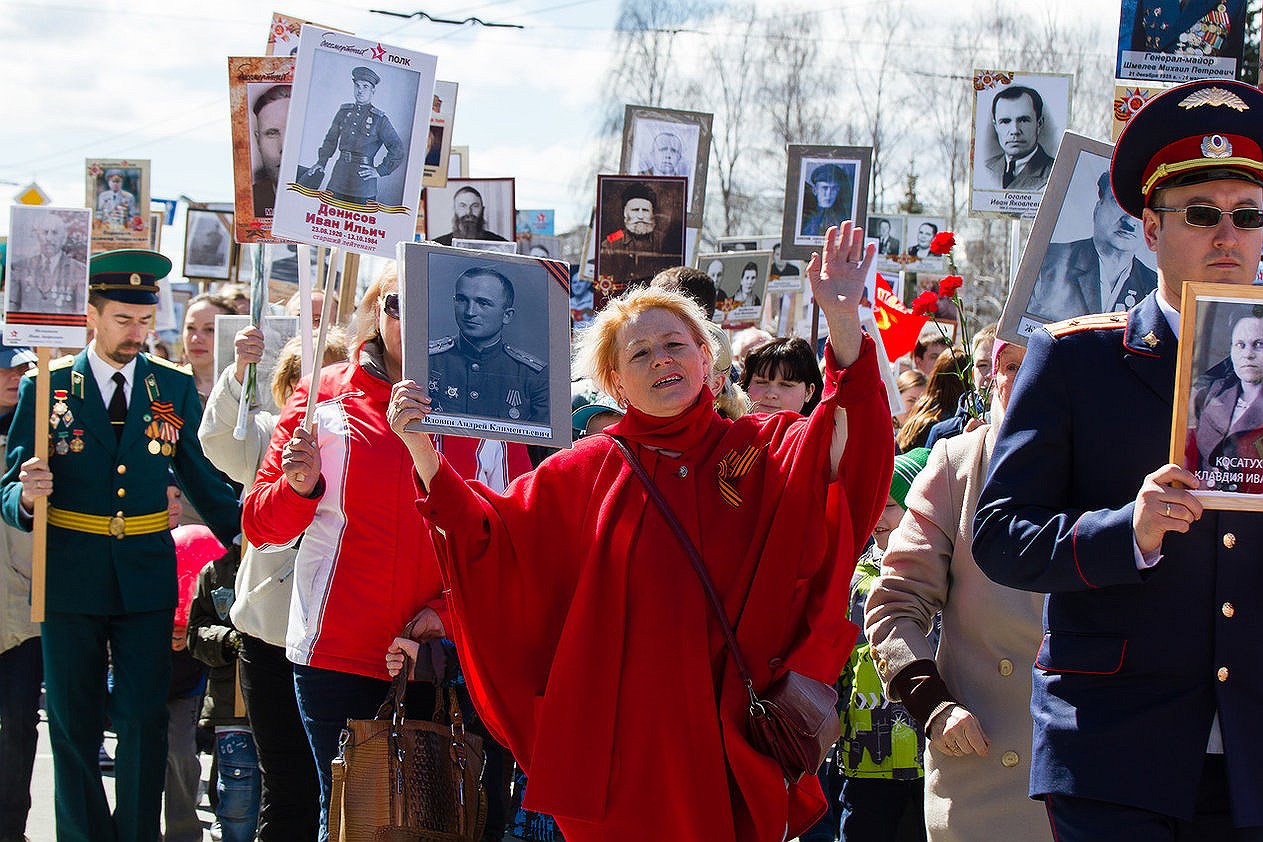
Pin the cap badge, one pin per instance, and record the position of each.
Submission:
(1216, 146)
(1214, 97)
(134, 280)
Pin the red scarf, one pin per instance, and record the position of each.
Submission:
(681, 432)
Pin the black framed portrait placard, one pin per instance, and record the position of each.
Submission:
(1217, 422)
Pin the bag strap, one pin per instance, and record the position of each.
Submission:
(699, 567)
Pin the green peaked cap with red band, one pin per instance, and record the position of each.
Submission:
(128, 275)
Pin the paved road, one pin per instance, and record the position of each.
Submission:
(41, 827)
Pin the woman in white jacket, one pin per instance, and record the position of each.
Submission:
(290, 807)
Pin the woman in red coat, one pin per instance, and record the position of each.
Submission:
(588, 644)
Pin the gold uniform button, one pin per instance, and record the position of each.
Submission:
(1230, 540)
(1006, 667)
(122, 469)
(1222, 675)
(1009, 759)
(1228, 609)
(882, 666)
(122, 492)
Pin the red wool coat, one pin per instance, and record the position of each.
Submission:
(588, 643)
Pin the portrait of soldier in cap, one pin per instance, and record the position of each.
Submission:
(115, 206)
(358, 132)
(49, 271)
(827, 201)
(475, 372)
(641, 230)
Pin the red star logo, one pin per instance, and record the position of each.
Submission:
(378, 52)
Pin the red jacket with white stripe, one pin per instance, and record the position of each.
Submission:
(366, 562)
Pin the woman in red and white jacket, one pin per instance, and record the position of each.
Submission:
(366, 561)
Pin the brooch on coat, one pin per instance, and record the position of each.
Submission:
(732, 468)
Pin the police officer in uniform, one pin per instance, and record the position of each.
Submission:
(1148, 687)
(358, 130)
(475, 372)
(121, 422)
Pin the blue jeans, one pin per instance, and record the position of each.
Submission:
(238, 786)
(21, 673)
(327, 699)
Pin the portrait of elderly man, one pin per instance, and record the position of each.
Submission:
(640, 233)
(115, 206)
(666, 156)
(1017, 116)
(829, 202)
(271, 112)
(475, 372)
(469, 220)
(358, 132)
(49, 277)
(1227, 402)
(1099, 274)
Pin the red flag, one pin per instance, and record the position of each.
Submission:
(899, 328)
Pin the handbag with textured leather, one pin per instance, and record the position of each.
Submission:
(404, 780)
(795, 721)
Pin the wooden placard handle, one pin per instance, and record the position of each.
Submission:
(39, 531)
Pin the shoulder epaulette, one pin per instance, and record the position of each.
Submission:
(1094, 321)
(165, 363)
(438, 346)
(62, 362)
(528, 360)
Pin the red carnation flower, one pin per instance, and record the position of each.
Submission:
(948, 286)
(943, 242)
(925, 304)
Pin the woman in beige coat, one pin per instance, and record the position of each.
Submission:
(972, 696)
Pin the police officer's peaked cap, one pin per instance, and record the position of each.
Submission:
(1198, 132)
(365, 74)
(128, 275)
(828, 172)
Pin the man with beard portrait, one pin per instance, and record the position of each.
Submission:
(468, 219)
(644, 245)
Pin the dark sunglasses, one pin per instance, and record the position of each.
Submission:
(390, 304)
(1208, 216)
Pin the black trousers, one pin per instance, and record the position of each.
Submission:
(290, 805)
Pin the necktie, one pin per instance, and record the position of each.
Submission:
(1009, 172)
(118, 404)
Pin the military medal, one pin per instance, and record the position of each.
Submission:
(76, 443)
(514, 400)
(155, 446)
(167, 449)
(60, 407)
(62, 446)
(452, 391)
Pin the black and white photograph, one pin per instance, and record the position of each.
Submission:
(639, 231)
(919, 233)
(1219, 394)
(663, 141)
(355, 140)
(277, 330)
(1018, 122)
(46, 276)
(259, 91)
(470, 209)
(438, 145)
(737, 243)
(118, 193)
(1180, 41)
(740, 285)
(886, 231)
(208, 244)
(546, 246)
(825, 186)
(490, 336)
(1085, 254)
(784, 276)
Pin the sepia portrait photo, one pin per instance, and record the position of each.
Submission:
(639, 230)
(1085, 254)
(1217, 432)
(258, 95)
(825, 186)
(1018, 122)
(208, 244)
(118, 193)
(489, 336)
(438, 144)
(470, 209)
(666, 142)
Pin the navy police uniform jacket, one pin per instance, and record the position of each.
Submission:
(498, 382)
(95, 474)
(1134, 664)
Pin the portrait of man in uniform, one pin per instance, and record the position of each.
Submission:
(358, 132)
(641, 230)
(115, 206)
(48, 269)
(888, 231)
(475, 371)
(827, 201)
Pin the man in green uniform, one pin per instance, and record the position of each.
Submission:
(121, 422)
(359, 129)
(475, 372)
